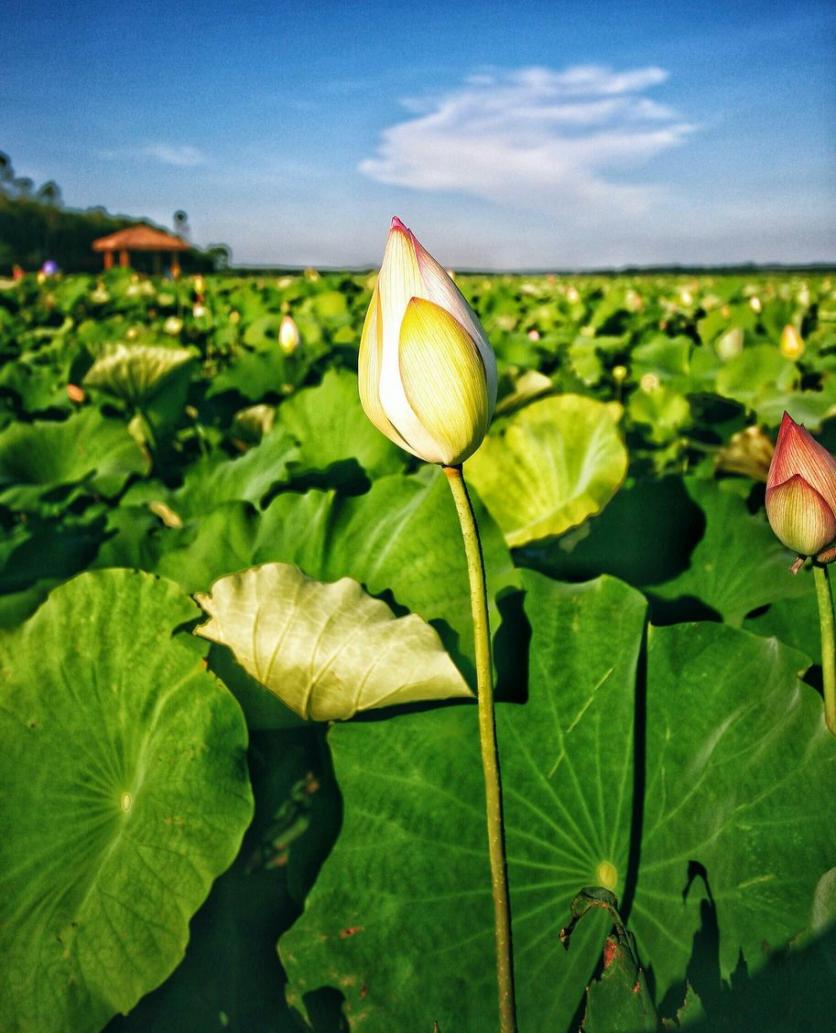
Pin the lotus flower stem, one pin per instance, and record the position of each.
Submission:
(150, 433)
(828, 644)
(490, 754)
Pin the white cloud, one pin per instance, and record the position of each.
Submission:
(536, 138)
(179, 155)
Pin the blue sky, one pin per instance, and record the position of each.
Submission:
(506, 134)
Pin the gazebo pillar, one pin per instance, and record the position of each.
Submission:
(123, 258)
(108, 259)
(175, 265)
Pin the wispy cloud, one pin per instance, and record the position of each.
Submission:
(178, 155)
(535, 137)
(181, 155)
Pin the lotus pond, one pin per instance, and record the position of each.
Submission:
(181, 851)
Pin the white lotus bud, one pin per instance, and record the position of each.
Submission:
(427, 372)
(288, 335)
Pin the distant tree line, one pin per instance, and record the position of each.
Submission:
(35, 227)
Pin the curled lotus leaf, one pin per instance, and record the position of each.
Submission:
(327, 650)
(135, 372)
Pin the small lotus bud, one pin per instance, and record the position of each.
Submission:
(792, 343)
(427, 372)
(801, 491)
(730, 345)
(173, 325)
(749, 452)
(288, 335)
(619, 374)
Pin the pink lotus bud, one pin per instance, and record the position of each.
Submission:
(801, 491)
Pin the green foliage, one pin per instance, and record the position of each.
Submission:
(125, 795)
(159, 426)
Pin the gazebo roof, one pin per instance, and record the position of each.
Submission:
(140, 238)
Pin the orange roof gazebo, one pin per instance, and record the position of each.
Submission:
(139, 238)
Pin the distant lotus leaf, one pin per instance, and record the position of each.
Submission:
(36, 457)
(739, 565)
(757, 375)
(330, 426)
(327, 650)
(125, 793)
(213, 480)
(550, 466)
(662, 410)
(135, 372)
(530, 385)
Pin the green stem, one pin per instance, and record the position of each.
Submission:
(490, 754)
(828, 644)
(150, 436)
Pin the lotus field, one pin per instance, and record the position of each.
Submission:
(246, 781)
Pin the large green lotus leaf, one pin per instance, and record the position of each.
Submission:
(263, 331)
(737, 824)
(330, 426)
(400, 919)
(212, 481)
(401, 537)
(39, 554)
(662, 410)
(258, 374)
(668, 358)
(808, 407)
(38, 457)
(231, 976)
(725, 784)
(644, 536)
(37, 386)
(125, 795)
(327, 650)
(550, 466)
(135, 372)
(739, 565)
(794, 620)
(40, 549)
(757, 376)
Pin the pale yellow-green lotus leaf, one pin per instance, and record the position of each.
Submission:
(550, 466)
(134, 372)
(327, 650)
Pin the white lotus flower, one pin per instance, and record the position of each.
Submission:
(427, 371)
